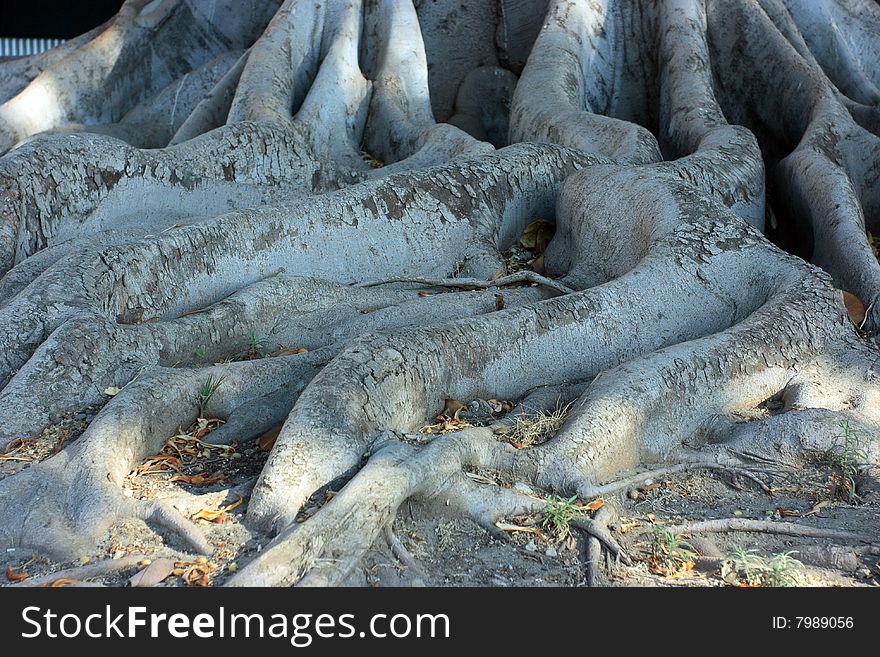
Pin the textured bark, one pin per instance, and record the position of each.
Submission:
(159, 210)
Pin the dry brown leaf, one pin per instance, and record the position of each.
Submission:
(154, 573)
(14, 575)
(854, 308)
(200, 479)
(537, 235)
(595, 505)
(218, 516)
(61, 581)
(289, 351)
(267, 441)
(507, 527)
(538, 265)
(452, 408)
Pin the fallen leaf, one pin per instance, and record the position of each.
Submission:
(537, 235)
(112, 391)
(289, 351)
(200, 479)
(854, 308)
(267, 441)
(785, 513)
(61, 581)
(218, 516)
(154, 573)
(480, 478)
(538, 265)
(452, 408)
(506, 527)
(596, 504)
(15, 576)
(499, 302)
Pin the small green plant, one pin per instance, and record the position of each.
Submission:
(200, 352)
(207, 391)
(670, 553)
(558, 514)
(751, 569)
(844, 458)
(254, 349)
(537, 428)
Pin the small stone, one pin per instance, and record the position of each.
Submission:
(864, 573)
(550, 551)
(633, 494)
(84, 560)
(531, 547)
(737, 513)
(523, 488)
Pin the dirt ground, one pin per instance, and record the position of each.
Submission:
(453, 551)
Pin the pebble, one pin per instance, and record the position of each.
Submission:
(633, 494)
(523, 488)
(531, 547)
(550, 551)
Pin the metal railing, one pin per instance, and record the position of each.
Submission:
(10, 47)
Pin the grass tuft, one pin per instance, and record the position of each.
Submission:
(537, 428)
(750, 569)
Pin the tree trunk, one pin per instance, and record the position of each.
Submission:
(193, 175)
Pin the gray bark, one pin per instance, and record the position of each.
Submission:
(282, 174)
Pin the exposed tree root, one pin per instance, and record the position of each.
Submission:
(594, 547)
(255, 217)
(652, 475)
(476, 284)
(769, 527)
(400, 551)
(88, 571)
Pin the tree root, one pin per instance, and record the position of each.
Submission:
(257, 233)
(476, 284)
(86, 572)
(769, 527)
(401, 552)
(603, 518)
(652, 475)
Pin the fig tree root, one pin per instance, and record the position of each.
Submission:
(245, 234)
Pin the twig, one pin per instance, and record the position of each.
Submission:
(97, 569)
(525, 276)
(767, 527)
(594, 547)
(601, 533)
(634, 480)
(401, 552)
